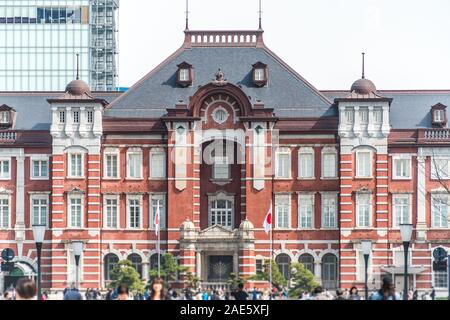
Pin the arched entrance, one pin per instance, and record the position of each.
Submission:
(21, 270)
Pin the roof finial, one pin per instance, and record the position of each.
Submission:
(78, 66)
(187, 14)
(363, 66)
(260, 15)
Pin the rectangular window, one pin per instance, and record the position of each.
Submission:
(158, 201)
(402, 168)
(306, 211)
(39, 169)
(90, 116)
(363, 164)
(111, 163)
(306, 165)
(378, 115)
(401, 209)
(364, 115)
(76, 165)
(440, 279)
(439, 210)
(75, 212)
(329, 210)
(259, 74)
(283, 164)
(134, 213)
(4, 212)
(349, 115)
(184, 75)
(157, 165)
(221, 168)
(134, 165)
(329, 165)
(5, 169)
(76, 117)
(440, 168)
(111, 210)
(39, 210)
(282, 212)
(439, 116)
(363, 210)
(62, 117)
(4, 117)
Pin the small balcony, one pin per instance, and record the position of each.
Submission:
(434, 135)
(7, 137)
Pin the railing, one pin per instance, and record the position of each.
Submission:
(437, 134)
(224, 38)
(8, 136)
(215, 286)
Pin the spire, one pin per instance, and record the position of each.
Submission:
(187, 14)
(78, 66)
(363, 66)
(260, 15)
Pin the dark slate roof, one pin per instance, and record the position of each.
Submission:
(287, 92)
(32, 109)
(410, 109)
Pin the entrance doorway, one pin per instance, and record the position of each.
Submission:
(219, 268)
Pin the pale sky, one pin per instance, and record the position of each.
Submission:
(407, 42)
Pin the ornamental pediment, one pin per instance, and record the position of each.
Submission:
(216, 232)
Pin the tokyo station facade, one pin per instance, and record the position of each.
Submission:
(214, 135)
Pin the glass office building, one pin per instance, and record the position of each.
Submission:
(39, 40)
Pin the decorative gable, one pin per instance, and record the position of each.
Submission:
(6, 117)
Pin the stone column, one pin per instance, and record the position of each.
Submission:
(318, 271)
(421, 199)
(357, 124)
(198, 262)
(145, 270)
(236, 262)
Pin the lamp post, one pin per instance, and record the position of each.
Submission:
(38, 235)
(406, 233)
(366, 246)
(77, 247)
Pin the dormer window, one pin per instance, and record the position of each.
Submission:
(6, 116)
(185, 74)
(260, 74)
(439, 115)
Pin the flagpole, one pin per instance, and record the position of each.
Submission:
(159, 244)
(271, 250)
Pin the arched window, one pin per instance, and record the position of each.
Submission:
(308, 261)
(329, 271)
(154, 261)
(110, 262)
(284, 263)
(136, 261)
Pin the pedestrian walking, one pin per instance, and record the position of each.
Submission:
(240, 294)
(157, 290)
(26, 289)
(123, 293)
(433, 293)
(387, 291)
(339, 295)
(354, 294)
(72, 293)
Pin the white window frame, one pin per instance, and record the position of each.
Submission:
(162, 203)
(69, 211)
(139, 152)
(287, 171)
(4, 117)
(349, 115)
(327, 197)
(402, 196)
(139, 199)
(7, 197)
(306, 151)
(217, 197)
(185, 74)
(438, 174)
(106, 154)
(306, 201)
(445, 199)
(158, 152)
(62, 119)
(439, 115)
(395, 175)
(107, 198)
(40, 159)
(4, 176)
(360, 174)
(39, 197)
(69, 157)
(370, 207)
(282, 200)
(333, 152)
(260, 74)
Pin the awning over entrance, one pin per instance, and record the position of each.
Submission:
(401, 270)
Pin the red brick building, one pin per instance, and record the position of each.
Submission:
(213, 136)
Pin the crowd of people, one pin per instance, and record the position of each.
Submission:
(25, 289)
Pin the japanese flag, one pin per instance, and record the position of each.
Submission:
(268, 220)
(156, 221)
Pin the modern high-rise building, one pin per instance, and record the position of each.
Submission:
(39, 40)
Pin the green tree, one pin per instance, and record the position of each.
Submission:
(302, 280)
(124, 273)
(278, 279)
(234, 280)
(169, 269)
(192, 281)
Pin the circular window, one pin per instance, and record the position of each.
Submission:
(220, 115)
